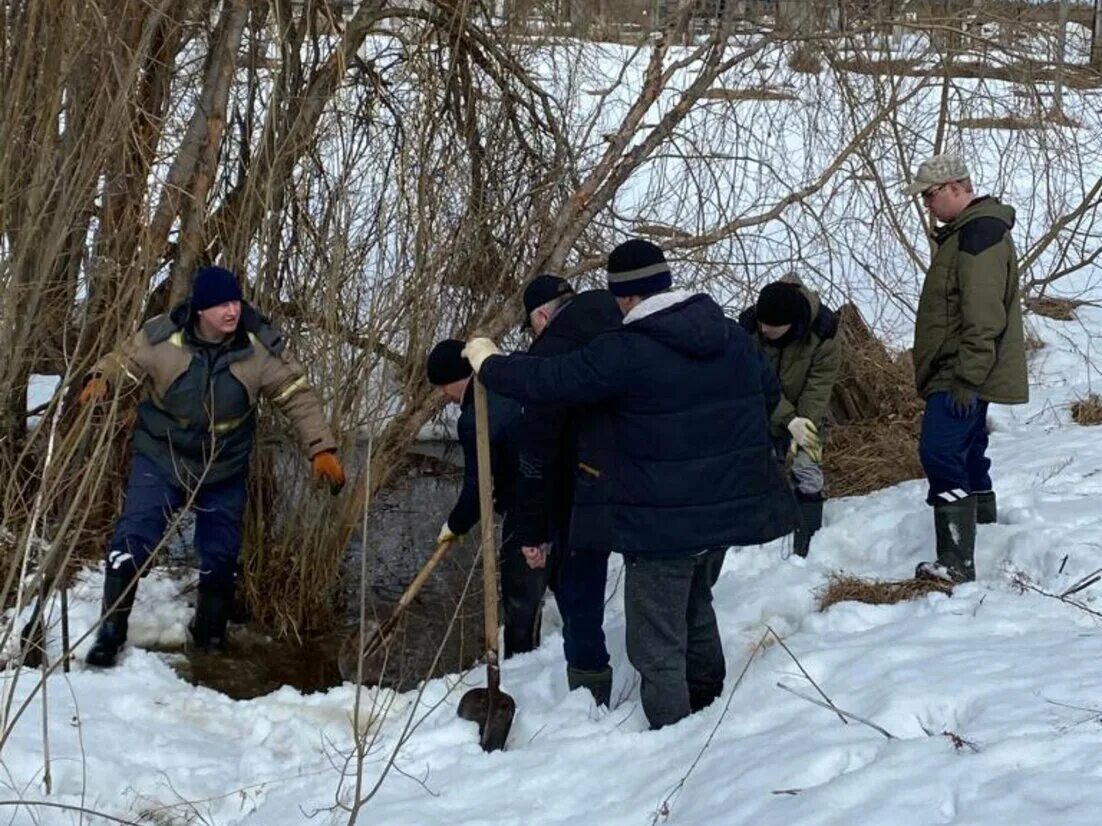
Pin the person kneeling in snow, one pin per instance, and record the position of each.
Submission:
(202, 369)
(969, 350)
(798, 336)
(674, 464)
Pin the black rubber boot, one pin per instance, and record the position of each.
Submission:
(118, 591)
(207, 629)
(987, 510)
(955, 529)
(597, 683)
(811, 519)
(702, 695)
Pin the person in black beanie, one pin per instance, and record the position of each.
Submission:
(674, 464)
(564, 321)
(799, 337)
(522, 587)
(201, 369)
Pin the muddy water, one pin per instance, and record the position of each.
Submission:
(441, 631)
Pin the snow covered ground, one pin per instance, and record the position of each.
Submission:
(993, 697)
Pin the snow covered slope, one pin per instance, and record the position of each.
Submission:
(1014, 677)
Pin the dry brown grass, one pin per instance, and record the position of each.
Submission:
(873, 442)
(1088, 411)
(1061, 309)
(841, 587)
(867, 456)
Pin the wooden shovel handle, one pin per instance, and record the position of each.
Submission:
(383, 632)
(486, 518)
(442, 548)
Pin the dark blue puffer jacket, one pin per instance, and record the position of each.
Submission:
(504, 420)
(675, 458)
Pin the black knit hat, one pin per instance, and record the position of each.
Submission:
(637, 267)
(213, 286)
(446, 363)
(780, 303)
(544, 288)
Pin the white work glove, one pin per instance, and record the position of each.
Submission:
(446, 534)
(805, 434)
(478, 350)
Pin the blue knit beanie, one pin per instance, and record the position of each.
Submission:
(213, 286)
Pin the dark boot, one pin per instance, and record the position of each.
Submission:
(811, 519)
(987, 510)
(702, 695)
(955, 529)
(118, 591)
(598, 683)
(207, 629)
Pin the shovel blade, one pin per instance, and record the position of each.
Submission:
(493, 711)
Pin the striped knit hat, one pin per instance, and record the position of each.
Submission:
(637, 267)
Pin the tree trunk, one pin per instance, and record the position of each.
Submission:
(1096, 36)
(1061, 52)
(212, 113)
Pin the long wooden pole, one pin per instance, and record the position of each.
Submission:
(486, 521)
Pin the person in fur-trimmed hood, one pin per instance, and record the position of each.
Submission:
(674, 465)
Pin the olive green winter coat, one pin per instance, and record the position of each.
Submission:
(807, 365)
(968, 332)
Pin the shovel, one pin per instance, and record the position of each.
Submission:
(490, 707)
(378, 640)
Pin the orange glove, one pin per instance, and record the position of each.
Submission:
(95, 390)
(327, 467)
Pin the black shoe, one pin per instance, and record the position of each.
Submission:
(598, 683)
(118, 592)
(207, 629)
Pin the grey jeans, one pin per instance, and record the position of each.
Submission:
(672, 636)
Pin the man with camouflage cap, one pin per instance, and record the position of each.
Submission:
(969, 351)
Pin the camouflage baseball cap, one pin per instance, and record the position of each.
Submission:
(940, 169)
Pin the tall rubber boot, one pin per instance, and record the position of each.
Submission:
(598, 683)
(987, 510)
(118, 591)
(703, 695)
(955, 530)
(811, 519)
(212, 613)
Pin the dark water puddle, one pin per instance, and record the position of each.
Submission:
(257, 665)
(441, 631)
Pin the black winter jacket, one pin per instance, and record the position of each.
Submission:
(677, 458)
(549, 432)
(504, 416)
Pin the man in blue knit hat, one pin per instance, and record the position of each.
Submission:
(200, 369)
